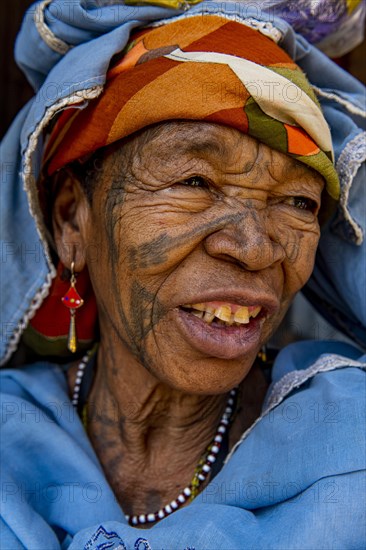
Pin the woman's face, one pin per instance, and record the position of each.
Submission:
(189, 223)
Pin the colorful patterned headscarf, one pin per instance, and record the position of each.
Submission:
(206, 68)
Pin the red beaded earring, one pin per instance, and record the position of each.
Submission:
(73, 301)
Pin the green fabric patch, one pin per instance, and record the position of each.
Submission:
(322, 164)
(52, 347)
(273, 133)
(264, 128)
(299, 79)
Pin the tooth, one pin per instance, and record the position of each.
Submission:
(255, 311)
(199, 307)
(242, 315)
(198, 314)
(208, 316)
(223, 313)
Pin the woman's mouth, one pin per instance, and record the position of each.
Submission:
(223, 314)
(222, 329)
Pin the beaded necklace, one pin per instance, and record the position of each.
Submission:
(203, 468)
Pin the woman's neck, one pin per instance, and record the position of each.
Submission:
(148, 437)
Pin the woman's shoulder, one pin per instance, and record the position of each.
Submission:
(51, 478)
(303, 366)
(313, 417)
(35, 405)
(38, 382)
(320, 387)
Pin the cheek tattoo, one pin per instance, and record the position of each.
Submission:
(155, 251)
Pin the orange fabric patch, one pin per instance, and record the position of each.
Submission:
(182, 32)
(241, 41)
(236, 118)
(299, 143)
(189, 93)
(101, 112)
(59, 132)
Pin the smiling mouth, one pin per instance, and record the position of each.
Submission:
(223, 314)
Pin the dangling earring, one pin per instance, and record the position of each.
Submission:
(73, 301)
(262, 354)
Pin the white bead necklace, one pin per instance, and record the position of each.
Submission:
(203, 468)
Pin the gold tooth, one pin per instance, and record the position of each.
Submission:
(223, 313)
(242, 315)
(255, 311)
(208, 316)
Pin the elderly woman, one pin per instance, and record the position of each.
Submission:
(177, 187)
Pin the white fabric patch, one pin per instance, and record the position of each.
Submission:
(277, 96)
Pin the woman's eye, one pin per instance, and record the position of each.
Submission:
(195, 181)
(304, 203)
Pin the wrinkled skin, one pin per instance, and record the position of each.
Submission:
(161, 237)
(187, 212)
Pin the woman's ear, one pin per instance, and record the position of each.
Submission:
(70, 220)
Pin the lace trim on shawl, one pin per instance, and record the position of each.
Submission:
(264, 27)
(350, 160)
(56, 44)
(293, 380)
(30, 188)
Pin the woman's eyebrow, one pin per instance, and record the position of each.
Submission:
(292, 171)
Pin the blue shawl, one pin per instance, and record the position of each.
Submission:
(295, 480)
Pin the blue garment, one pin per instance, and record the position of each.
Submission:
(296, 480)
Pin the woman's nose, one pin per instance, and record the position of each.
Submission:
(248, 241)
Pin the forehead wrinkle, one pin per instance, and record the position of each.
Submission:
(206, 147)
(187, 138)
(244, 156)
(174, 140)
(209, 146)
